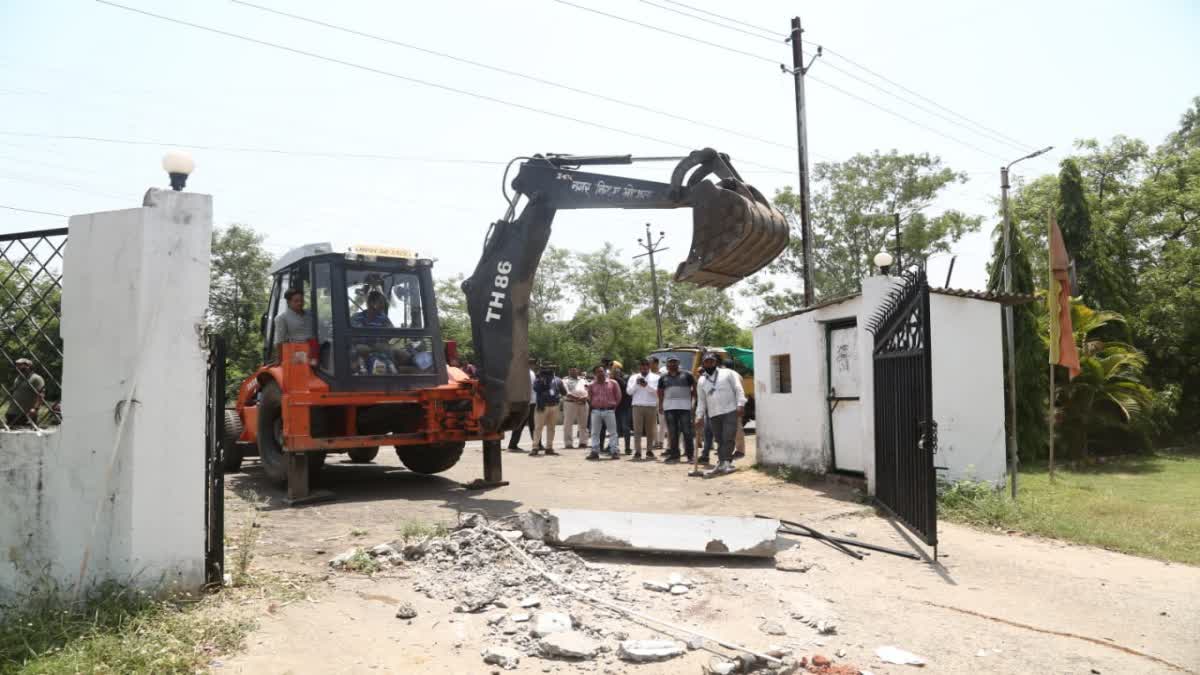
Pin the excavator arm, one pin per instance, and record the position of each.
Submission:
(735, 232)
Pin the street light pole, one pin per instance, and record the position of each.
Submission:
(1010, 348)
(651, 247)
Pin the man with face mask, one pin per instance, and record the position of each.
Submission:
(720, 398)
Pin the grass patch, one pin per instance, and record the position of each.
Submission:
(358, 532)
(790, 474)
(116, 630)
(416, 529)
(363, 563)
(1145, 505)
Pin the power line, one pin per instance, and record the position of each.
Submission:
(40, 213)
(760, 36)
(752, 55)
(776, 61)
(272, 151)
(414, 80)
(777, 34)
(513, 73)
(996, 134)
(1010, 139)
(905, 118)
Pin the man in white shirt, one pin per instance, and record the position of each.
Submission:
(643, 390)
(575, 410)
(720, 398)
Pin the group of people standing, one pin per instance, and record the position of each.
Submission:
(656, 405)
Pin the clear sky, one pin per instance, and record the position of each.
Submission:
(1040, 73)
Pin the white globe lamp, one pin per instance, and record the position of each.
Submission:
(178, 165)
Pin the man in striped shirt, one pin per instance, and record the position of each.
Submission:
(604, 394)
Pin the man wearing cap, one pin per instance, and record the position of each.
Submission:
(721, 399)
(676, 396)
(643, 397)
(548, 390)
(25, 395)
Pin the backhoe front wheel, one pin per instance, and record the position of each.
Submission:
(430, 458)
(231, 451)
(270, 439)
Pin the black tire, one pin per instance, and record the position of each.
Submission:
(430, 459)
(270, 433)
(231, 451)
(363, 455)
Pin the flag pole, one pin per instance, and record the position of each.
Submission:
(1050, 422)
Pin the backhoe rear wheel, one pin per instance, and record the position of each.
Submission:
(363, 455)
(231, 452)
(430, 459)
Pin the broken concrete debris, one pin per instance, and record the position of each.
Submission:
(505, 657)
(772, 628)
(656, 586)
(405, 610)
(679, 589)
(547, 623)
(720, 666)
(890, 654)
(339, 561)
(661, 532)
(645, 651)
(528, 602)
(568, 645)
(476, 597)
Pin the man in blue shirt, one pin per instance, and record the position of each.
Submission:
(375, 315)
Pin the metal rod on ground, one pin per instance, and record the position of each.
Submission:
(1050, 417)
(617, 608)
(854, 542)
(816, 535)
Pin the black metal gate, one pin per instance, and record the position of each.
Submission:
(214, 476)
(905, 433)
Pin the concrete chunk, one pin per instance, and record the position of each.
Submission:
(645, 651)
(568, 645)
(505, 657)
(662, 532)
(546, 623)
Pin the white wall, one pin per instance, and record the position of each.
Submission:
(135, 290)
(793, 429)
(968, 388)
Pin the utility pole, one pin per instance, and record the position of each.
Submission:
(651, 247)
(896, 217)
(798, 71)
(1010, 348)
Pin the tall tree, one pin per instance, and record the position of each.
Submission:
(1089, 246)
(1167, 316)
(852, 209)
(549, 284)
(239, 287)
(453, 320)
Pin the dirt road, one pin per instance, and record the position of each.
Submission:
(992, 604)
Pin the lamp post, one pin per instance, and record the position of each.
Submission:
(178, 165)
(1010, 349)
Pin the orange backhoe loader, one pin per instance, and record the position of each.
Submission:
(376, 373)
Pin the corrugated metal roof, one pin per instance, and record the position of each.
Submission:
(990, 296)
(987, 296)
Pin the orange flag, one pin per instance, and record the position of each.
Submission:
(1058, 304)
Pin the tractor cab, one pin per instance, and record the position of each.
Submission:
(372, 315)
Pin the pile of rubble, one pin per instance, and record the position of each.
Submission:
(475, 569)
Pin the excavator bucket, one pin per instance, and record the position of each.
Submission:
(735, 233)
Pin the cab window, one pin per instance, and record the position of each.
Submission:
(378, 299)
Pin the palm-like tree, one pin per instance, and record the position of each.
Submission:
(1108, 393)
